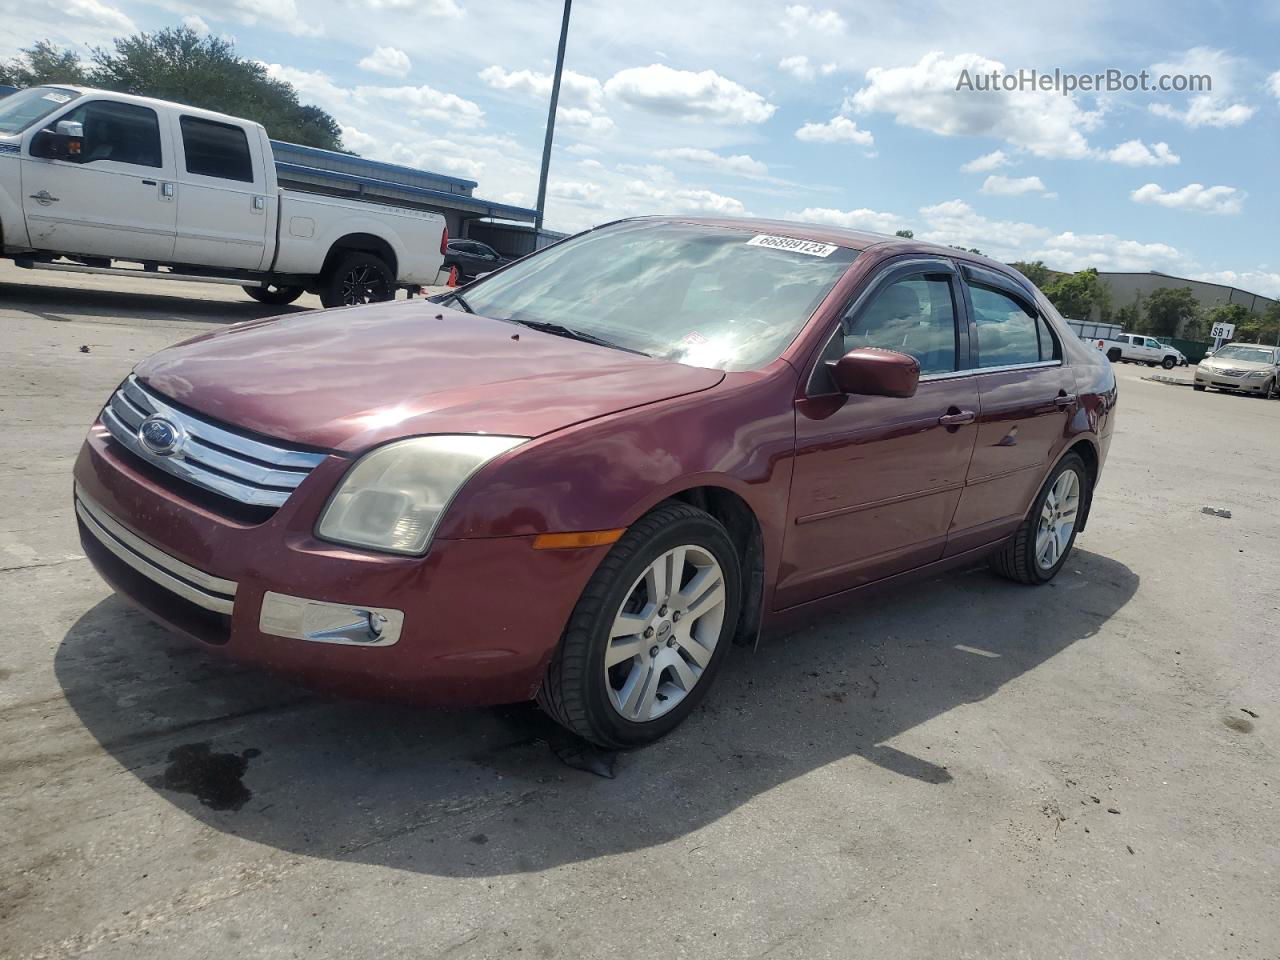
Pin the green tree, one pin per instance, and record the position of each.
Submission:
(181, 65)
(1168, 308)
(1261, 327)
(42, 63)
(1036, 272)
(905, 234)
(1076, 294)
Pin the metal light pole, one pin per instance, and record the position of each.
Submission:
(551, 119)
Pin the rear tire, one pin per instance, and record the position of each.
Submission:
(359, 277)
(623, 689)
(274, 296)
(1029, 556)
(1114, 355)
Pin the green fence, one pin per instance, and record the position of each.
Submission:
(1193, 350)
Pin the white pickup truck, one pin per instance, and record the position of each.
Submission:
(90, 179)
(1136, 348)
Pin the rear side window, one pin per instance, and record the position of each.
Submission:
(915, 316)
(120, 132)
(216, 150)
(1007, 333)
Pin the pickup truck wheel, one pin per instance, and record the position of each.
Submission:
(1169, 362)
(650, 631)
(1114, 355)
(358, 278)
(273, 295)
(1042, 544)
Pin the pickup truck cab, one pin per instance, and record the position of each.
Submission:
(91, 178)
(1136, 348)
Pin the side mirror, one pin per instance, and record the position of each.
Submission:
(873, 372)
(62, 143)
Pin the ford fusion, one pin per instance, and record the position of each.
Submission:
(584, 477)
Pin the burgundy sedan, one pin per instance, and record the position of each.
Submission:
(585, 476)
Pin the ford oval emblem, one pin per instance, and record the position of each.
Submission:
(160, 436)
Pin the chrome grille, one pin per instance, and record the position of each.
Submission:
(210, 456)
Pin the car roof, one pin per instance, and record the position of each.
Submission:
(153, 102)
(845, 237)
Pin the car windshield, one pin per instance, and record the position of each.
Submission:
(727, 298)
(1251, 354)
(20, 110)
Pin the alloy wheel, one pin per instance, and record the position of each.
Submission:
(363, 284)
(1057, 520)
(665, 633)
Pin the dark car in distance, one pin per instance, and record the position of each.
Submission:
(472, 258)
(583, 477)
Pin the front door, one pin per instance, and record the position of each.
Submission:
(222, 199)
(1028, 397)
(877, 479)
(117, 199)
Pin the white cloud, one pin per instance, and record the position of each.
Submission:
(924, 96)
(570, 190)
(281, 15)
(799, 18)
(428, 103)
(684, 200)
(1205, 111)
(1106, 251)
(575, 88)
(1135, 153)
(740, 163)
(1265, 282)
(196, 23)
(860, 219)
(987, 162)
(448, 9)
(100, 14)
(583, 119)
(683, 93)
(389, 61)
(800, 67)
(956, 223)
(1194, 196)
(1273, 84)
(835, 130)
(1001, 186)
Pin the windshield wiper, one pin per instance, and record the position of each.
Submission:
(560, 330)
(457, 298)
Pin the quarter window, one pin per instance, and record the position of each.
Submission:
(1007, 333)
(120, 132)
(216, 149)
(915, 316)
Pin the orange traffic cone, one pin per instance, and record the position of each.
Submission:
(453, 277)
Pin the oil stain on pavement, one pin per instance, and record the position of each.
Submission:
(215, 779)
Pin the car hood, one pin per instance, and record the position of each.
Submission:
(350, 378)
(1213, 363)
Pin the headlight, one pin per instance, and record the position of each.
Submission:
(393, 498)
(1257, 374)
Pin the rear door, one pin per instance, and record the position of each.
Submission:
(222, 200)
(1028, 396)
(876, 479)
(117, 199)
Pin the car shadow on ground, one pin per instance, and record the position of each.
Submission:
(478, 793)
(62, 303)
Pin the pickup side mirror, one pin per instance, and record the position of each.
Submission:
(870, 371)
(64, 142)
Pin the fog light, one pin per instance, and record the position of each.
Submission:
(321, 622)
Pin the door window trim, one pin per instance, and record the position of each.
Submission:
(910, 265)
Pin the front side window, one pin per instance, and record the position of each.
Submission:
(20, 110)
(915, 316)
(720, 297)
(1007, 331)
(120, 132)
(216, 149)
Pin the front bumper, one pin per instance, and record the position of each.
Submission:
(1226, 381)
(475, 620)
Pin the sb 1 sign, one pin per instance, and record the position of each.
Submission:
(1223, 331)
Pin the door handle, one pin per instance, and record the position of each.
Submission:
(958, 418)
(1065, 400)
(148, 183)
(44, 198)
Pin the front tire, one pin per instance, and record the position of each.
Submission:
(1042, 544)
(358, 278)
(650, 631)
(1198, 388)
(274, 296)
(1169, 362)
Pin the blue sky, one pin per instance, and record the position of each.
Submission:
(834, 111)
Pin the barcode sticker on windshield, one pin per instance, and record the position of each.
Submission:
(56, 97)
(808, 247)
